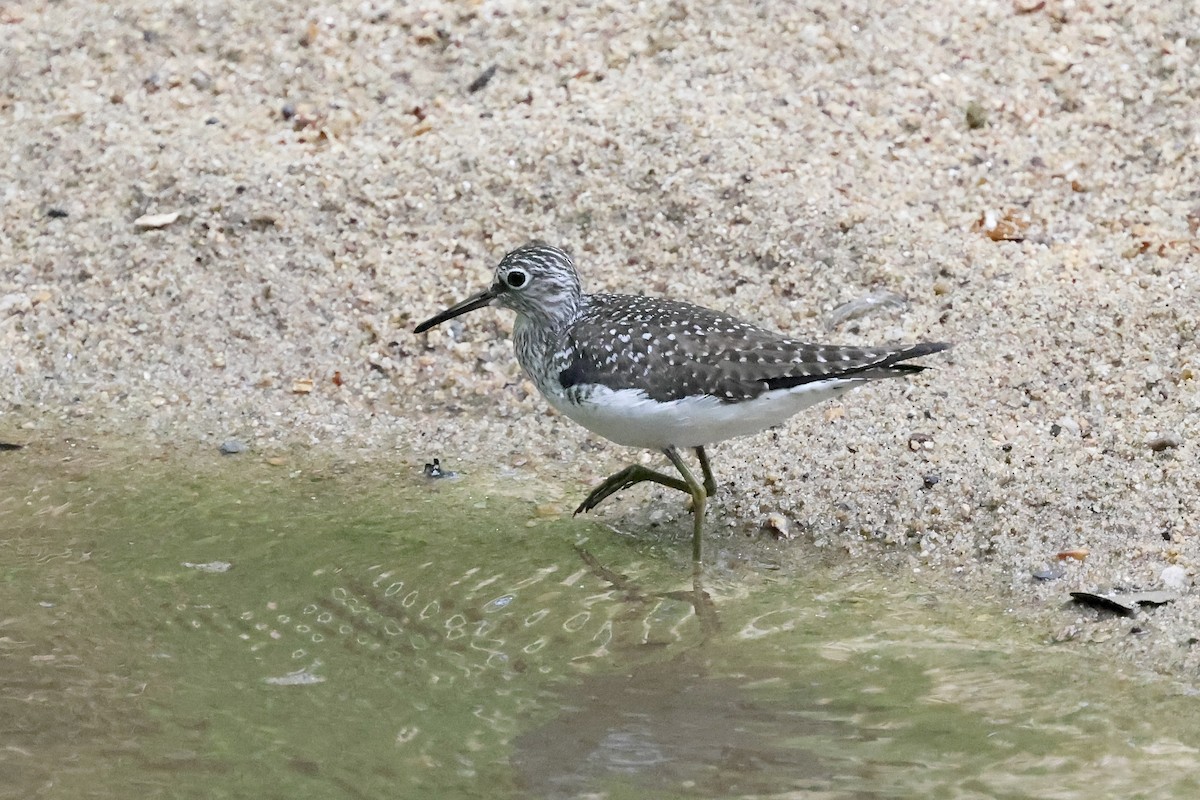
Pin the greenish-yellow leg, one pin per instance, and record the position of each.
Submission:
(698, 498)
(710, 483)
(623, 480)
(636, 474)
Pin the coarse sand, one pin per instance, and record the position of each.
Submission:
(222, 220)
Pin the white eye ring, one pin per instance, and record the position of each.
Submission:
(516, 278)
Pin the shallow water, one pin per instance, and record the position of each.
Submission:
(248, 630)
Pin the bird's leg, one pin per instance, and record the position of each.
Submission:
(627, 477)
(636, 473)
(698, 498)
(710, 483)
(702, 602)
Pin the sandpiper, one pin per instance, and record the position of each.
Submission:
(662, 374)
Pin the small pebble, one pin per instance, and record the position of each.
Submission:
(484, 78)
(1175, 578)
(1164, 441)
(976, 116)
(778, 525)
(231, 447)
(1069, 425)
(209, 566)
(834, 413)
(920, 441)
(1048, 573)
(152, 221)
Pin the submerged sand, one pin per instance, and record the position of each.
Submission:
(222, 220)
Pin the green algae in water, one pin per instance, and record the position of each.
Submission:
(238, 631)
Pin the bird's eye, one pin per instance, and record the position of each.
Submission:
(515, 279)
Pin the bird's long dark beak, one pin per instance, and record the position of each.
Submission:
(473, 302)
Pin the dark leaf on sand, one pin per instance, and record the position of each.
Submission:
(1124, 604)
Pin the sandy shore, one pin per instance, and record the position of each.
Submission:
(222, 220)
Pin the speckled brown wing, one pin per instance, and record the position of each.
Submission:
(672, 350)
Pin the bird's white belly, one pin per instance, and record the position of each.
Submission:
(630, 417)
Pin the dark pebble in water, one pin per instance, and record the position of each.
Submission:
(931, 481)
(435, 470)
(56, 213)
(231, 447)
